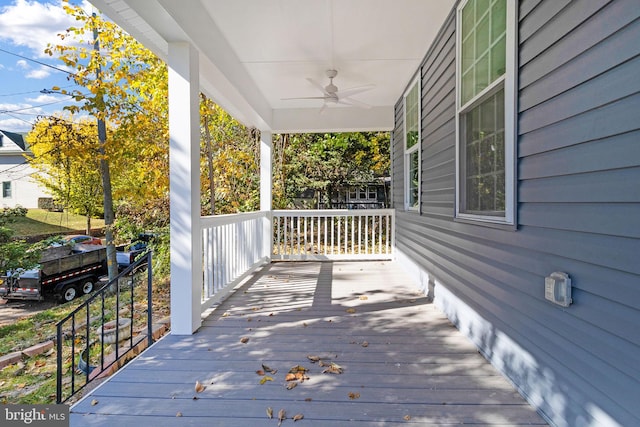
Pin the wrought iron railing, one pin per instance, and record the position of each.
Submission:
(95, 337)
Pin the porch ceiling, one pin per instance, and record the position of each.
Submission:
(253, 53)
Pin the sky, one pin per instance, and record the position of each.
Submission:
(26, 27)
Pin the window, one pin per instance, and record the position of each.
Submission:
(485, 155)
(412, 146)
(373, 193)
(6, 189)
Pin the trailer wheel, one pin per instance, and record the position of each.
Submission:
(69, 292)
(87, 286)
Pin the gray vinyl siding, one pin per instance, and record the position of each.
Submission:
(578, 197)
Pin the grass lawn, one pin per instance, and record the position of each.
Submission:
(39, 221)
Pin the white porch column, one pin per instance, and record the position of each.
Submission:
(184, 166)
(266, 174)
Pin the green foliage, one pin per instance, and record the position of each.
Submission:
(14, 254)
(326, 162)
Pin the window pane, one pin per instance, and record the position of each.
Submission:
(412, 116)
(413, 179)
(483, 46)
(483, 156)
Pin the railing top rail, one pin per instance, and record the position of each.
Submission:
(217, 220)
(332, 212)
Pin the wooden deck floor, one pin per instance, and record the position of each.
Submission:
(403, 362)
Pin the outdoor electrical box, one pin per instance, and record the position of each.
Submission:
(557, 288)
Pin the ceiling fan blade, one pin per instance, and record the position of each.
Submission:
(316, 84)
(323, 108)
(355, 90)
(354, 102)
(304, 97)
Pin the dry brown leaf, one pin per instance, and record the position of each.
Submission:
(265, 379)
(268, 369)
(407, 417)
(354, 396)
(290, 377)
(199, 387)
(308, 399)
(365, 344)
(304, 324)
(94, 402)
(21, 385)
(298, 368)
(334, 368)
(40, 363)
(226, 314)
(298, 417)
(364, 297)
(178, 414)
(313, 359)
(269, 412)
(282, 415)
(301, 376)
(260, 372)
(291, 384)
(351, 310)
(244, 340)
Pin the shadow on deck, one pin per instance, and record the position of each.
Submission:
(403, 362)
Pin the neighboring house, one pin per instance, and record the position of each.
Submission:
(515, 155)
(16, 175)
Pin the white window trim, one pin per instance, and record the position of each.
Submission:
(510, 109)
(418, 147)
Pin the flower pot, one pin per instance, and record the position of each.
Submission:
(83, 365)
(109, 328)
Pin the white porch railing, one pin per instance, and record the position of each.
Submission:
(232, 247)
(333, 234)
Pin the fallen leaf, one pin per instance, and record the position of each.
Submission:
(304, 324)
(40, 363)
(268, 369)
(354, 396)
(364, 297)
(199, 387)
(308, 399)
(290, 377)
(407, 417)
(178, 414)
(282, 415)
(313, 359)
(334, 368)
(260, 372)
(270, 314)
(351, 310)
(94, 402)
(301, 376)
(298, 417)
(244, 340)
(291, 384)
(365, 344)
(226, 314)
(298, 368)
(21, 385)
(269, 412)
(265, 379)
(195, 398)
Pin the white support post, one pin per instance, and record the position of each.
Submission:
(184, 175)
(266, 173)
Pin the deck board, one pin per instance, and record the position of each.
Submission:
(403, 362)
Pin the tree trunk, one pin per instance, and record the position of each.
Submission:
(209, 153)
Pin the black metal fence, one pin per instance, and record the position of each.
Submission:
(108, 326)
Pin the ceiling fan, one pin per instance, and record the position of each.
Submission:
(331, 94)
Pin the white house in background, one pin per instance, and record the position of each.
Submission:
(16, 175)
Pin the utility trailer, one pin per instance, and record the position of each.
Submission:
(64, 272)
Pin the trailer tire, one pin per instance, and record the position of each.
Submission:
(86, 286)
(69, 292)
